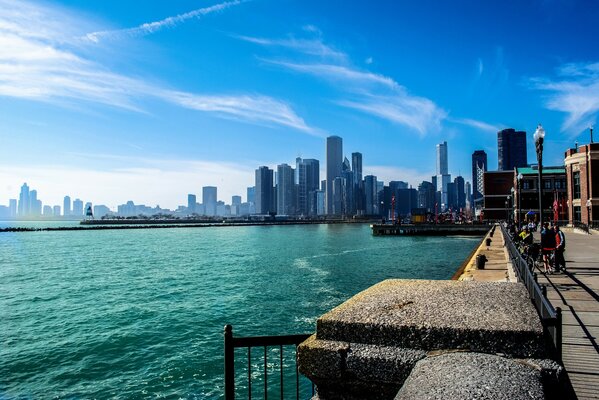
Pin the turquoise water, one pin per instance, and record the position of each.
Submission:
(140, 313)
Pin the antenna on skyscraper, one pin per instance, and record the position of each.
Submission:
(591, 129)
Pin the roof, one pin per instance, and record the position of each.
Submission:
(535, 171)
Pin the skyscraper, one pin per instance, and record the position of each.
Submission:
(251, 194)
(264, 190)
(191, 203)
(12, 207)
(356, 159)
(236, 200)
(426, 196)
(77, 208)
(511, 149)
(66, 206)
(370, 195)
(209, 196)
(356, 163)
(285, 190)
(56, 211)
(35, 205)
(443, 177)
(460, 192)
(334, 152)
(24, 204)
(308, 173)
(479, 167)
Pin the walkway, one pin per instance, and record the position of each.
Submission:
(577, 293)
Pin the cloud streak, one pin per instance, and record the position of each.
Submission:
(480, 125)
(575, 92)
(44, 67)
(169, 22)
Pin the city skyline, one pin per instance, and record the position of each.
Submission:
(99, 98)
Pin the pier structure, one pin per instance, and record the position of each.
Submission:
(429, 229)
(577, 293)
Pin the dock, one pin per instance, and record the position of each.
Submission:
(429, 230)
(577, 293)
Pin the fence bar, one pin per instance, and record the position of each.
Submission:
(229, 364)
(558, 333)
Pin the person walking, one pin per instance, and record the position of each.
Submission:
(547, 246)
(560, 247)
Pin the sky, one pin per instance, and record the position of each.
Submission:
(110, 101)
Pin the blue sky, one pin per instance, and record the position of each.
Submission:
(111, 101)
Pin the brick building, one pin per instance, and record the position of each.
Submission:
(582, 170)
(527, 193)
(497, 187)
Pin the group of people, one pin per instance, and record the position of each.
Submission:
(552, 247)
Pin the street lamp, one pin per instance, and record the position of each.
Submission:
(512, 198)
(519, 196)
(539, 137)
(507, 214)
(589, 212)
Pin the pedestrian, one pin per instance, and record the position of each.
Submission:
(547, 246)
(560, 247)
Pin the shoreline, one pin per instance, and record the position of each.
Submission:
(168, 225)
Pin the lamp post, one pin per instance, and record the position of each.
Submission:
(519, 196)
(512, 198)
(589, 212)
(507, 214)
(539, 137)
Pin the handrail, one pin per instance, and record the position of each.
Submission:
(551, 317)
(231, 343)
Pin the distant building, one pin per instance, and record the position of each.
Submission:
(101, 211)
(236, 200)
(338, 196)
(35, 205)
(24, 204)
(582, 171)
(511, 149)
(209, 199)
(12, 208)
(334, 154)
(264, 191)
(285, 190)
(460, 192)
(479, 167)
(497, 186)
(251, 194)
(77, 208)
(308, 174)
(47, 211)
(370, 195)
(66, 206)
(358, 183)
(426, 196)
(191, 204)
(56, 211)
(443, 176)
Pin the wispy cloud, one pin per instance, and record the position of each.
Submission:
(575, 92)
(483, 126)
(313, 47)
(169, 22)
(44, 67)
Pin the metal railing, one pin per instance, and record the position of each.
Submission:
(267, 344)
(581, 225)
(551, 317)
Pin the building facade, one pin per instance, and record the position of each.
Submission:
(209, 200)
(479, 167)
(511, 149)
(264, 191)
(582, 174)
(526, 193)
(334, 154)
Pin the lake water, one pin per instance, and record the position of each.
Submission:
(140, 313)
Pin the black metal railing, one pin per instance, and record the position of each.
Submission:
(581, 225)
(289, 383)
(551, 317)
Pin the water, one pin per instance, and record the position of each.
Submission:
(140, 313)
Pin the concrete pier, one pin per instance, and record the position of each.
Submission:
(429, 230)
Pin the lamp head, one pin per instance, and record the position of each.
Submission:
(539, 133)
(520, 176)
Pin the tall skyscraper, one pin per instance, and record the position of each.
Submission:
(426, 196)
(77, 208)
(251, 194)
(209, 200)
(56, 211)
(356, 164)
(264, 191)
(191, 203)
(443, 177)
(356, 159)
(511, 149)
(460, 192)
(308, 173)
(334, 152)
(35, 205)
(285, 190)
(24, 203)
(12, 208)
(236, 200)
(370, 195)
(479, 167)
(66, 206)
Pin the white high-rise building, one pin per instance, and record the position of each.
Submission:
(443, 176)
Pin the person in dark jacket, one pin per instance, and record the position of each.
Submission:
(560, 247)
(547, 246)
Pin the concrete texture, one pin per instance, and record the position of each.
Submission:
(486, 317)
(471, 376)
(344, 370)
(498, 267)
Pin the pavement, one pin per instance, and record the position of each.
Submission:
(576, 292)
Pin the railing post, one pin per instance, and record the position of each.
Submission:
(558, 333)
(229, 364)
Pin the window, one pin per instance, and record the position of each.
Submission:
(560, 183)
(528, 184)
(576, 184)
(546, 183)
(577, 215)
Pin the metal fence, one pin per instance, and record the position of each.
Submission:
(284, 379)
(551, 317)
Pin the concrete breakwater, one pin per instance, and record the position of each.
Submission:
(429, 230)
(477, 337)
